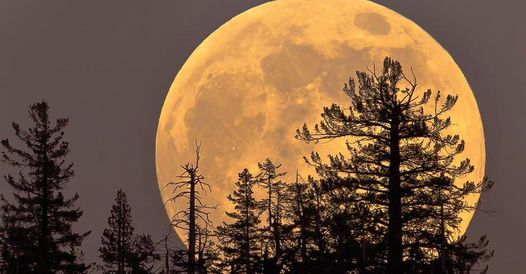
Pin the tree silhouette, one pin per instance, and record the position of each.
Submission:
(240, 239)
(178, 260)
(208, 256)
(300, 219)
(401, 162)
(167, 251)
(121, 250)
(464, 257)
(143, 255)
(117, 239)
(37, 224)
(194, 219)
(13, 245)
(268, 180)
(305, 227)
(318, 209)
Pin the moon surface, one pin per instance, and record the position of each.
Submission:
(246, 89)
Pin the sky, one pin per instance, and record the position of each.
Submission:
(107, 65)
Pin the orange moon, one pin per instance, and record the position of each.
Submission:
(246, 89)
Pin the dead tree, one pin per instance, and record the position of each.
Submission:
(190, 187)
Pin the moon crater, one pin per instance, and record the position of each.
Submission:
(373, 23)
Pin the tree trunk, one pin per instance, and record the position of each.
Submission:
(120, 242)
(44, 221)
(318, 224)
(269, 185)
(277, 231)
(442, 236)
(394, 256)
(302, 241)
(246, 252)
(363, 263)
(191, 232)
(166, 256)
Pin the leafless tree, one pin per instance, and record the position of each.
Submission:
(191, 186)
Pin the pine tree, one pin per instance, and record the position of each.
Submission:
(465, 257)
(37, 222)
(268, 179)
(350, 223)
(240, 239)
(396, 152)
(299, 213)
(178, 260)
(207, 253)
(117, 240)
(121, 250)
(331, 230)
(13, 241)
(166, 252)
(143, 255)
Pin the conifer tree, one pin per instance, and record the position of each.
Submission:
(13, 241)
(178, 260)
(300, 218)
(37, 222)
(397, 146)
(117, 240)
(319, 213)
(207, 253)
(349, 222)
(143, 255)
(121, 250)
(167, 252)
(331, 230)
(240, 239)
(268, 179)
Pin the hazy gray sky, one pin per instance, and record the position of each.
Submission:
(108, 66)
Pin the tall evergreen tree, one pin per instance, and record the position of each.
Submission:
(297, 204)
(121, 250)
(207, 252)
(143, 255)
(13, 241)
(117, 239)
(269, 179)
(397, 149)
(38, 220)
(305, 237)
(166, 252)
(240, 239)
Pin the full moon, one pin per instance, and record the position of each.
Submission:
(246, 89)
